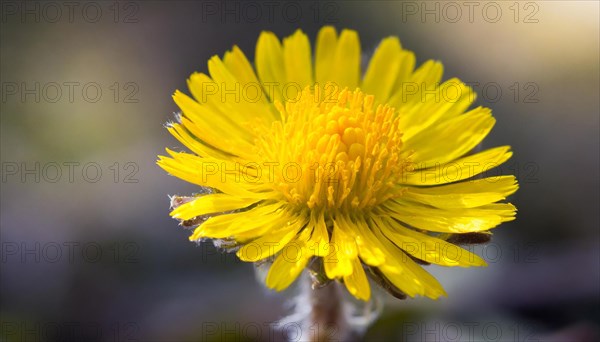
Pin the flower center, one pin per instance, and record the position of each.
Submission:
(335, 151)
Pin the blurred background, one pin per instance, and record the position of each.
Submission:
(89, 251)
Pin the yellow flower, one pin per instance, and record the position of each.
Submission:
(309, 160)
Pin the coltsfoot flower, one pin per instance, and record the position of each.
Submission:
(310, 161)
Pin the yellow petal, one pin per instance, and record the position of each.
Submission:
(271, 243)
(239, 66)
(248, 231)
(298, 63)
(383, 69)
(237, 62)
(357, 283)
(216, 130)
(468, 194)
(452, 139)
(224, 96)
(261, 218)
(342, 251)
(405, 71)
(236, 99)
(230, 177)
(211, 203)
(181, 133)
(325, 54)
(287, 267)
(429, 249)
(451, 220)
(345, 70)
(403, 272)
(448, 100)
(182, 170)
(367, 244)
(420, 83)
(223, 151)
(459, 169)
(319, 240)
(269, 64)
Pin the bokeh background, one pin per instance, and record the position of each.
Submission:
(90, 253)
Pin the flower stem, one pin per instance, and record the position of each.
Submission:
(327, 319)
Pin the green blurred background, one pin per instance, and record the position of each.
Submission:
(90, 253)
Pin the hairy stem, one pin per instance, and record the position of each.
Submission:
(327, 321)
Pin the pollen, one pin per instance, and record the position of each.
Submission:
(335, 152)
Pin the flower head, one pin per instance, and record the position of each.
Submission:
(316, 164)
